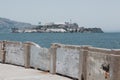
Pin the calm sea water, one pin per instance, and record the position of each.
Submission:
(103, 40)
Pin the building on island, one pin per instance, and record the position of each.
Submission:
(58, 27)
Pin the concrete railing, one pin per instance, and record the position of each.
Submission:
(26, 54)
(80, 62)
(85, 62)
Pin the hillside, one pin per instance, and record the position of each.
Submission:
(7, 24)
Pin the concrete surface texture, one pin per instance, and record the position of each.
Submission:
(11, 72)
(67, 62)
(95, 63)
(39, 57)
(14, 53)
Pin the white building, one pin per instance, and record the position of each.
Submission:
(55, 30)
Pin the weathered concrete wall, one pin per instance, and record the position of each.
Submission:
(85, 62)
(97, 61)
(39, 57)
(115, 65)
(82, 62)
(67, 61)
(20, 54)
(14, 53)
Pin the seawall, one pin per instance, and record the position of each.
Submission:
(79, 62)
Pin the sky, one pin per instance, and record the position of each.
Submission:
(104, 14)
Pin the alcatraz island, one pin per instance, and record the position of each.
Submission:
(57, 27)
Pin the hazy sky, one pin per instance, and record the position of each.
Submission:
(88, 13)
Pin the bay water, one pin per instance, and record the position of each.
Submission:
(102, 40)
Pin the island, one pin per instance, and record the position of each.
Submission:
(57, 27)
